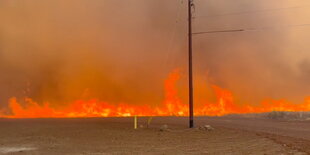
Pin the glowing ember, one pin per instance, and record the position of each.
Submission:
(172, 106)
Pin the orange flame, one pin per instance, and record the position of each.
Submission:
(226, 105)
(172, 106)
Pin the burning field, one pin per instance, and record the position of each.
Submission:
(61, 132)
(171, 106)
(74, 73)
(61, 60)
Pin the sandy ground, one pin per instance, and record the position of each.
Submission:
(117, 136)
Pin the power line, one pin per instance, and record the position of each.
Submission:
(251, 29)
(173, 34)
(276, 27)
(252, 12)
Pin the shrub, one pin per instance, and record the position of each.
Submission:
(276, 115)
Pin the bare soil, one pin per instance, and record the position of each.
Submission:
(231, 135)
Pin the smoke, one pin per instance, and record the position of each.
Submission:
(59, 51)
(269, 60)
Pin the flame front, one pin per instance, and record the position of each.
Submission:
(171, 106)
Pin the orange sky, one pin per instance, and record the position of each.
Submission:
(117, 51)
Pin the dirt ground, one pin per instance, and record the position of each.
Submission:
(117, 136)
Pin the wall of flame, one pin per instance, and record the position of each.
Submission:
(171, 106)
(78, 58)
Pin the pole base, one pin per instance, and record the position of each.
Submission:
(191, 124)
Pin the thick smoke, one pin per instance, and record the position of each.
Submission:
(268, 60)
(59, 51)
(121, 51)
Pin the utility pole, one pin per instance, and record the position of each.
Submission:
(190, 65)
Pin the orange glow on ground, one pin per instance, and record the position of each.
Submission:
(172, 106)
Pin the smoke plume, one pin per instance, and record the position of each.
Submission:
(121, 51)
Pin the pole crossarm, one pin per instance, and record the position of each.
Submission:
(219, 31)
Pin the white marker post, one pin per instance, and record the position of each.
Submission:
(135, 122)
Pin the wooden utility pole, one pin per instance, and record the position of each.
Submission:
(190, 65)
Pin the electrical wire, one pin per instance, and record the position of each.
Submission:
(170, 47)
(252, 12)
(252, 29)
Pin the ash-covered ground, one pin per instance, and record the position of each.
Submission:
(231, 135)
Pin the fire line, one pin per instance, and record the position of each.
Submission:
(171, 106)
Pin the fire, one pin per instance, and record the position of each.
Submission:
(171, 106)
(92, 108)
(225, 105)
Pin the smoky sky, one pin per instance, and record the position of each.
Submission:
(121, 51)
